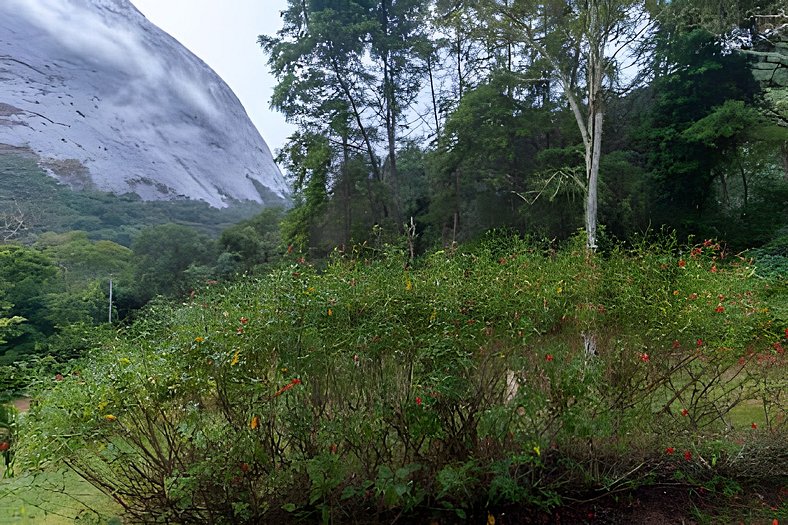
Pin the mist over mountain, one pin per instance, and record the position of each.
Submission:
(108, 101)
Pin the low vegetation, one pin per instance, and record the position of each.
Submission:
(504, 373)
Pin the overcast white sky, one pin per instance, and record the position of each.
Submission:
(223, 33)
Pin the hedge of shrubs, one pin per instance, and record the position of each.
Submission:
(507, 372)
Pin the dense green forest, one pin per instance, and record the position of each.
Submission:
(467, 116)
(536, 259)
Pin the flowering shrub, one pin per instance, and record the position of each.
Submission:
(459, 383)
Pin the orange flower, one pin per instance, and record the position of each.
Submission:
(714, 269)
(110, 417)
(719, 309)
(682, 263)
(684, 412)
(4, 446)
(754, 426)
(254, 423)
(244, 320)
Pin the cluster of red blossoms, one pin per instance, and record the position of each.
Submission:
(687, 454)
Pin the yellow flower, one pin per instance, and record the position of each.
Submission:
(235, 358)
(110, 417)
(199, 339)
(330, 312)
(254, 423)
(433, 315)
(408, 285)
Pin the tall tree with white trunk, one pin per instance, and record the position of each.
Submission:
(587, 44)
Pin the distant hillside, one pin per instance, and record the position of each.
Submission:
(45, 205)
(104, 100)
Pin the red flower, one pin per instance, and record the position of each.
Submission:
(548, 357)
(676, 344)
(644, 357)
(682, 263)
(687, 455)
(58, 377)
(670, 450)
(719, 309)
(287, 387)
(778, 348)
(786, 333)
(684, 412)
(418, 401)
(696, 251)
(714, 269)
(707, 243)
(693, 296)
(4, 446)
(244, 467)
(742, 361)
(754, 426)
(699, 342)
(239, 330)
(244, 320)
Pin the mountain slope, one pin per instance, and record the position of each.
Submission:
(110, 102)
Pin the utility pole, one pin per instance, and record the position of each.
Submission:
(110, 300)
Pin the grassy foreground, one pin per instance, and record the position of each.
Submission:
(504, 376)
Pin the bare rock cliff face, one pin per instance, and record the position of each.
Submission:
(108, 101)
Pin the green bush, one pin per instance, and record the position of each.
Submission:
(509, 373)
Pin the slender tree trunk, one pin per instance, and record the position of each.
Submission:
(456, 206)
(346, 186)
(594, 136)
(725, 195)
(784, 151)
(391, 135)
(434, 98)
(357, 117)
(744, 184)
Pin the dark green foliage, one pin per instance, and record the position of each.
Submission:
(165, 254)
(253, 243)
(49, 206)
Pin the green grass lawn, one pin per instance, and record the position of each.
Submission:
(54, 498)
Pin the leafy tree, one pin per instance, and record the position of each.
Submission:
(681, 145)
(27, 277)
(254, 242)
(162, 254)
